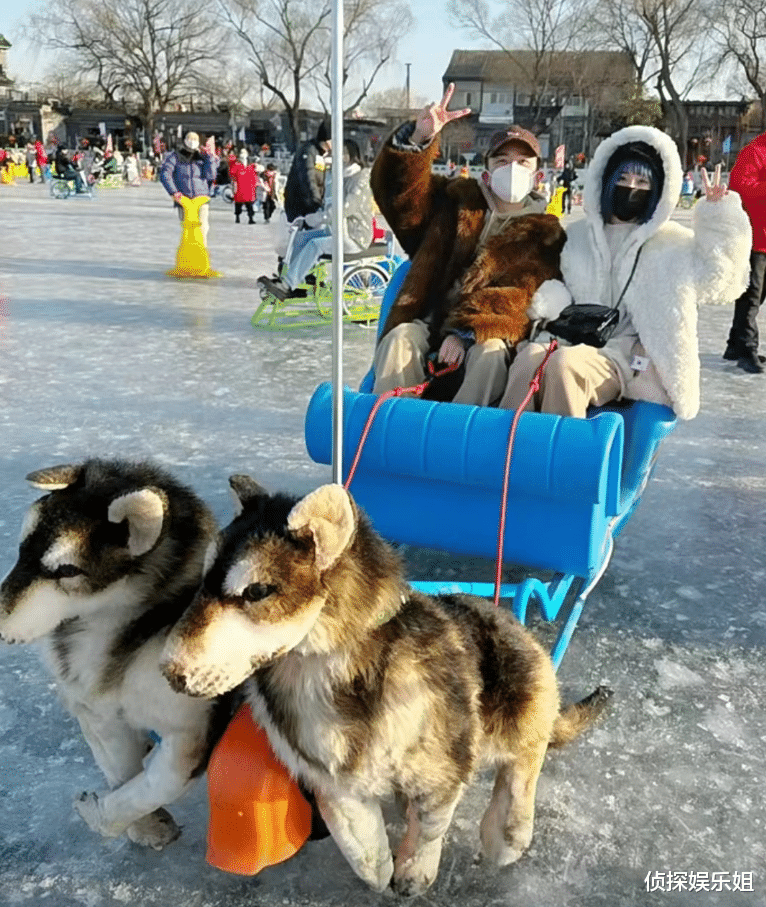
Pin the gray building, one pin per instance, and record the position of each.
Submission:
(572, 98)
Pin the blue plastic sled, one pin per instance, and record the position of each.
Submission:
(431, 475)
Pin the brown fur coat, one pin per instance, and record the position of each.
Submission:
(439, 222)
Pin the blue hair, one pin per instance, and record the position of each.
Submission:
(629, 165)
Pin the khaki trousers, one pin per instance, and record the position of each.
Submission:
(575, 378)
(400, 362)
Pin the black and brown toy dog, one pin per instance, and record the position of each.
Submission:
(110, 557)
(368, 689)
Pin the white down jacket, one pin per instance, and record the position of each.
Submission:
(678, 269)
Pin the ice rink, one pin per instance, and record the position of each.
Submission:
(102, 354)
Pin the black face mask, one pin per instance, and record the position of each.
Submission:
(629, 204)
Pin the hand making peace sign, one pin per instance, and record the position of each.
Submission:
(713, 192)
(434, 118)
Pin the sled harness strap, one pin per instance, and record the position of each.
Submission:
(417, 390)
(534, 387)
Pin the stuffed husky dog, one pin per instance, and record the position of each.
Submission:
(109, 559)
(368, 689)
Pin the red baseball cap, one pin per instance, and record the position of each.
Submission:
(513, 134)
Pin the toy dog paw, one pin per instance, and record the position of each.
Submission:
(91, 811)
(156, 830)
(415, 874)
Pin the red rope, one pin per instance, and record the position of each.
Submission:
(534, 387)
(416, 389)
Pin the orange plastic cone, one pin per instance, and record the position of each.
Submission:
(192, 259)
(258, 816)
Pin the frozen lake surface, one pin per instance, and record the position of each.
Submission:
(101, 354)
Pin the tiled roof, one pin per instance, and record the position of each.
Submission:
(517, 66)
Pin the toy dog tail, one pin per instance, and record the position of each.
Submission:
(577, 717)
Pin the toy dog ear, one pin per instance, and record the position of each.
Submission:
(328, 515)
(55, 477)
(145, 512)
(245, 490)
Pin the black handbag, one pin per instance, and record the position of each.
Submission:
(589, 323)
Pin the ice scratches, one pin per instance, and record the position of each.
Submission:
(671, 674)
(724, 725)
(690, 594)
(86, 893)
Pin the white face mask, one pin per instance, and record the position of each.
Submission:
(511, 182)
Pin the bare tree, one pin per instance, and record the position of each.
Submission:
(542, 28)
(739, 33)
(66, 83)
(678, 43)
(148, 51)
(668, 47)
(237, 88)
(288, 42)
(372, 30)
(619, 24)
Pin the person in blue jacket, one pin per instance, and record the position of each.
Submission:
(189, 171)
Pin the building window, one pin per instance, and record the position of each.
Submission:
(468, 99)
(493, 97)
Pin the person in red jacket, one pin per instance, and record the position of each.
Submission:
(245, 179)
(42, 160)
(748, 178)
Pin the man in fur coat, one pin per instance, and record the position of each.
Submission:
(627, 253)
(479, 251)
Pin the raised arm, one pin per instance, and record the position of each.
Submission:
(723, 240)
(405, 189)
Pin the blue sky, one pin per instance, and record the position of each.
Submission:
(427, 48)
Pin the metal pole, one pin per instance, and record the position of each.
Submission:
(407, 105)
(337, 241)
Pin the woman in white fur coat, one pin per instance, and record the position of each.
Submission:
(626, 252)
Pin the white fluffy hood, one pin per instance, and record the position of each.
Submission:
(665, 147)
(679, 268)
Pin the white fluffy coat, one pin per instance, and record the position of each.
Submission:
(678, 269)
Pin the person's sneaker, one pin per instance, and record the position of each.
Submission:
(751, 362)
